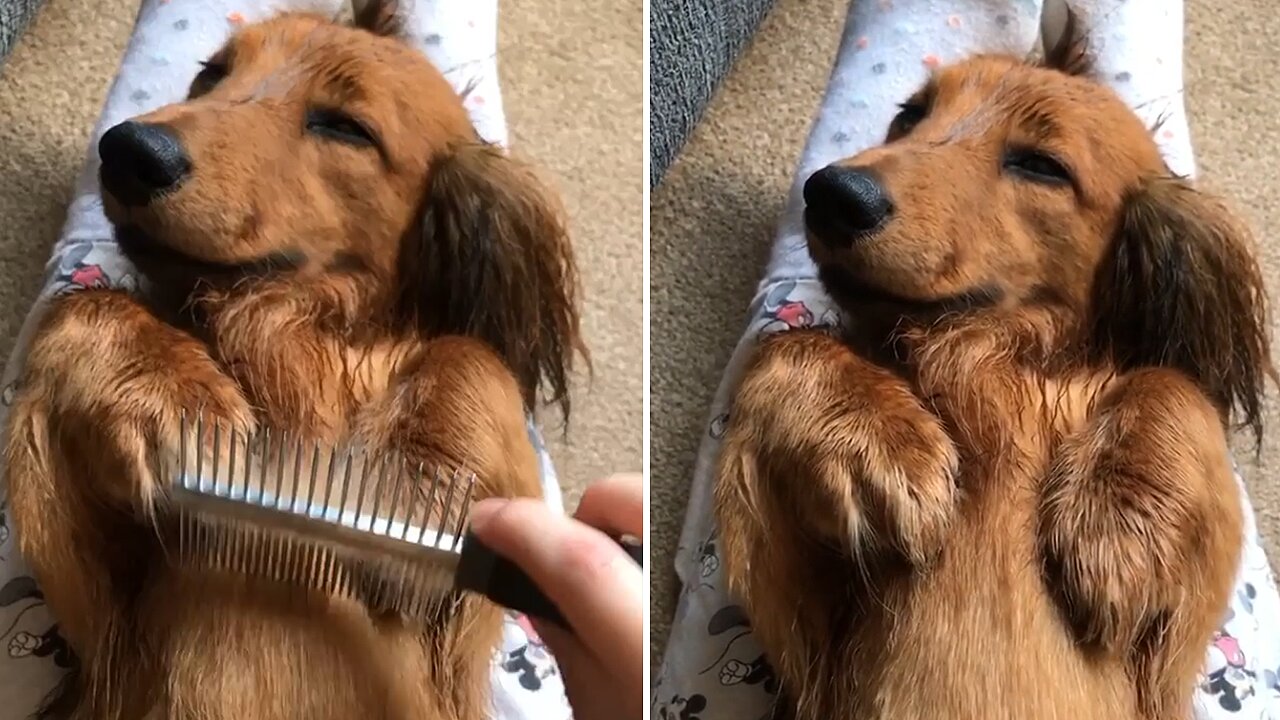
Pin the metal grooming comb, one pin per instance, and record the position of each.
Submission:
(337, 520)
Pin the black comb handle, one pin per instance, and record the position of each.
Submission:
(484, 571)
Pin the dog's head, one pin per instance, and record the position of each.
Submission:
(309, 149)
(1005, 185)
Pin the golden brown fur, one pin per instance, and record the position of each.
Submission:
(415, 293)
(1005, 491)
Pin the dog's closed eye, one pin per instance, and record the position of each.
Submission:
(211, 73)
(910, 115)
(337, 125)
(1037, 166)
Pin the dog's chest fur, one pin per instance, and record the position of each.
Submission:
(979, 633)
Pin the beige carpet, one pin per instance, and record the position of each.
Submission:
(573, 83)
(712, 220)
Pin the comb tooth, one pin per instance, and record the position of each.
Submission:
(240, 560)
(311, 484)
(264, 462)
(246, 473)
(314, 566)
(346, 486)
(247, 563)
(265, 544)
(431, 501)
(328, 485)
(444, 511)
(318, 571)
(225, 554)
(362, 484)
(231, 464)
(401, 587)
(411, 494)
(331, 572)
(278, 557)
(280, 458)
(236, 556)
(265, 556)
(220, 542)
(462, 513)
(217, 449)
(182, 452)
(291, 557)
(398, 480)
(282, 559)
(300, 574)
(379, 489)
(323, 571)
(234, 450)
(208, 543)
(281, 573)
(297, 473)
(199, 448)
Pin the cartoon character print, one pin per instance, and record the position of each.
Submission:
(531, 662)
(752, 670)
(781, 312)
(682, 708)
(28, 633)
(708, 560)
(75, 273)
(719, 425)
(1229, 678)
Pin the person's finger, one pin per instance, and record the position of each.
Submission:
(588, 576)
(594, 690)
(614, 505)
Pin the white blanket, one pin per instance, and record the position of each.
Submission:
(169, 39)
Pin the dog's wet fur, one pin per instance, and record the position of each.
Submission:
(1004, 490)
(329, 248)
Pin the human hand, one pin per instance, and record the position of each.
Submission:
(595, 584)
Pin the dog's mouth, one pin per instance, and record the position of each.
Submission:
(155, 258)
(846, 288)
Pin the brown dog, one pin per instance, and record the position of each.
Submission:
(330, 249)
(1006, 492)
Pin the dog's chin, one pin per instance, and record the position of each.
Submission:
(163, 264)
(852, 290)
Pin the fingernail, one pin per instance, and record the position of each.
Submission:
(482, 512)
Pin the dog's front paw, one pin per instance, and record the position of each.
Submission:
(116, 381)
(869, 466)
(893, 480)
(1126, 512)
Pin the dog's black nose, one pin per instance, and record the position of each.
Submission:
(141, 161)
(846, 202)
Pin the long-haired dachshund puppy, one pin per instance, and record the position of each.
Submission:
(1005, 490)
(329, 249)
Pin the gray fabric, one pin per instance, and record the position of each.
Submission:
(14, 16)
(693, 43)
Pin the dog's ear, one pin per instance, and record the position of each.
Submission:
(491, 259)
(380, 17)
(1066, 49)
(1180, 288)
